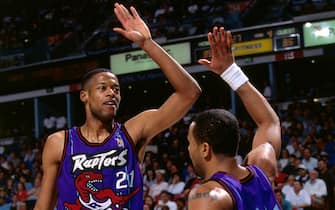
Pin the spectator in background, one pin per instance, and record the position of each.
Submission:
(177, 185)
(293, 146)
(328, 177)
(189, 173)
(10, 186)
(165, 199)
(317, 189)
(149, 177)
(25, 180)
(4, 194)
(15, 204)
(181, 205)
(280, 178)
(147, 162)
(303, 175)
(308, 160)
(159, 185)
(283, 159)
(29, 157)
(3, 177)
(33, 193)
(292, 165)
(285, 205)
(22, 195)
(330, 148)
(150, 202)
(299, 198)
(288, 186)
(14, 159)
(145, 191)
(3, 204)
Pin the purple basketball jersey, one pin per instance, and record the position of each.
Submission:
(100, 176)
(257, 192)
(232, 186)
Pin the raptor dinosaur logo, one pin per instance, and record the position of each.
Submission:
(92, 198)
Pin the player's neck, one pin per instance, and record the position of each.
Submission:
(96, 132)
(228, 165)
(96, 124)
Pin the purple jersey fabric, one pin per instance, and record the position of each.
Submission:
(100, 176)
(232, 186)
(257, 192)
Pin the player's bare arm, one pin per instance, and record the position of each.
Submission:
(267, 121)
(52, 154)
(209, 197)
(268, 131)
(267, 140)
(149, 123)
(264, 156)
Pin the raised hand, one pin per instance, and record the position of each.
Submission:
(220, 42)
(134, 27)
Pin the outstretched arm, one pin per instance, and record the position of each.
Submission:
(149, 123)
(267, 139)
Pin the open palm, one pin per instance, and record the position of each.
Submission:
(134, 27)
(221, 54)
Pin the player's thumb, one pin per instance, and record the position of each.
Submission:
(120, 31)
(204, 62)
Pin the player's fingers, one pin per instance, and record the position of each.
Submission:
(119, 13)
(216, 34)
(134, 12)
(211, 40)
(125, 12)
(222, 35)
(229, 41)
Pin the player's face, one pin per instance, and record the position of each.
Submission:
(194, 151)
(103, 96)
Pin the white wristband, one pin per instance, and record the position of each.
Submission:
(234, 76)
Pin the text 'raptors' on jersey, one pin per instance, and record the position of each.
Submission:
(99, 176)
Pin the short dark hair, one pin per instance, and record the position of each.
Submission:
(220, 129)
(277, 190)
(280, 192)
(88, 75)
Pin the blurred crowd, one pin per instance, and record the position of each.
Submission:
(32, 31)
(306, 165)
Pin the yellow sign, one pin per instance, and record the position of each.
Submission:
(252, 47)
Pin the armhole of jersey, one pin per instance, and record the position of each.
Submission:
(249, 176)
(261, 173)
(66, 140)
(130, 141)
(224, 185)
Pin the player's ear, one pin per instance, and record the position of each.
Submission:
(205, 150)
(83, 95)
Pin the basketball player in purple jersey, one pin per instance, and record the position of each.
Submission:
(214, 138)
(96, 165)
